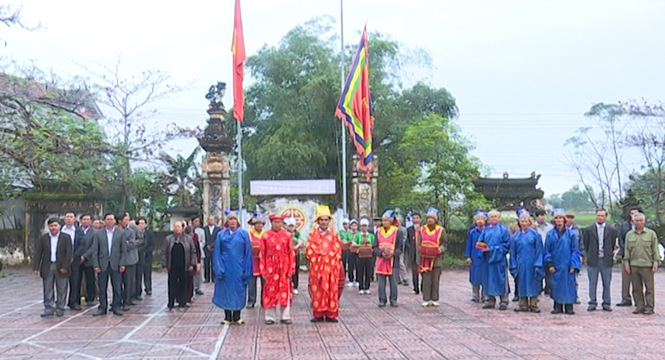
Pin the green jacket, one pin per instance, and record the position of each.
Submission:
(358, 239)
(641, 249)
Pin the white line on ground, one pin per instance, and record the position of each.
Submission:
(143, 324)
(55, 326)
(218, 344)
(22, 308)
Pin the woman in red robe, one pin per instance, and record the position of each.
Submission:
(324, 251)
(277, 265)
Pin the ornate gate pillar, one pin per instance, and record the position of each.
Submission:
(364, 189)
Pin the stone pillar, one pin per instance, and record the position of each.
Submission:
(364, 191)
(216, 169)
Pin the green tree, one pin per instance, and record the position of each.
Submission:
(436, 147)
(181, 174)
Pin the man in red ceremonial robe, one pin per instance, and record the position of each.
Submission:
(324, 251)
(277, 265)
(255, 233)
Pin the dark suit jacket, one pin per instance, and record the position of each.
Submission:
(590, 239)
(210, 238)
(188, 245)
(100, 250)
(41, 259)
(410, 246)
(87, 241)
(148, 245)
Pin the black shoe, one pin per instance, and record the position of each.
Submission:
(607, 308)
(488, 306)
(332, 320)
(592, 308)
(149, 293)
(59, 312)
(521, 309)
(382, 304)
(99, 312)
(198, 292)
(138, 298)
(578, 301)
(316, 319)
(250, 306)
(625, 303)
(503, 307)
(47, 313)
(393, 304)
(131, 303)
(535, 309)
(516, 298)
(117, 313)
(474, 300)
(557, 311)
(569, 309)
(638, 311)
(648, 312)
(125, 308)
(75, 307)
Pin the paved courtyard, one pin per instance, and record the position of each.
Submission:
(458, 329)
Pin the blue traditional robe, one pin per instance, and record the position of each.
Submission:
(526, 261)
(562, 251)
(476, 256)
(232, 261)
(497, 239)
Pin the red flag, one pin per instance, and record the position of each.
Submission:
(239, 57)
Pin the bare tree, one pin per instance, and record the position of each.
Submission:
(136, 140)
(598, 161)
(10, 15)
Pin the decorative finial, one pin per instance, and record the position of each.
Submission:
(215, 95)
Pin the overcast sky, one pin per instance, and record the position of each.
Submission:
(523, 72)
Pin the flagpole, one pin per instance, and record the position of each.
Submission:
(341, 65)
(239, 140)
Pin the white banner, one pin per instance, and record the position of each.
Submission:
(292, 187)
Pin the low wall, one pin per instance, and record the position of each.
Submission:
(12, 247)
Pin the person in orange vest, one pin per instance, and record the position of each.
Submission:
(387, 248)
(429, 251)
(257, 222)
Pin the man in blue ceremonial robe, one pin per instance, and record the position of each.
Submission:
(562, 260)
(474, 257)
(495, 242)
(232, 261)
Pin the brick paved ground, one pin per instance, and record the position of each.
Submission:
(456, 330)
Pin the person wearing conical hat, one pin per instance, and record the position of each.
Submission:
(474, 256)
(429, 251)
(257, 222)
(277, 268)
(562, 260)
(324, 252)
(233, 269)
(526, 263)
(387, 248)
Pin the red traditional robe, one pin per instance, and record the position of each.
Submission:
(277, 265)
(324, 251)
(255, 238)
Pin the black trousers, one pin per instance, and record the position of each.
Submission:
(207, 266)
(353, 261)
(75, 283)
(345, 260)
(128, 279)
(364, 272)
(232, 316)
(116, 284)
(147, 273)
(415, 277)
(294, 278)
(89, 272)
(138, 288)
(177, 287)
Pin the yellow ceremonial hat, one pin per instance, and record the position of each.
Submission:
(322, 211)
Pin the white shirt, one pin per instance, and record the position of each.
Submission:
(109, 238)
(211, 228)
(601, 239)
(54, 245)
(70, 231)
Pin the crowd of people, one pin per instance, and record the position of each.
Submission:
(541, 256)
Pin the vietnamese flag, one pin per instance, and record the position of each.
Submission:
(239, 57)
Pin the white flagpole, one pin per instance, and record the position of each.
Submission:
(239, 139)
(341, 65)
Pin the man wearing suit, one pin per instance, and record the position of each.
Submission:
(84, 258)
(131, 259)
(78, 247)
(210, 235)
(108, 259)
(412, 232)
(144, 266)
(599, 242)
(52, 259)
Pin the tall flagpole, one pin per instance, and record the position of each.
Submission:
(341, 65)
(239, 139)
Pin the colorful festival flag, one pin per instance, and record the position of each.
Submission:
(239, 57)
(355, 104)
